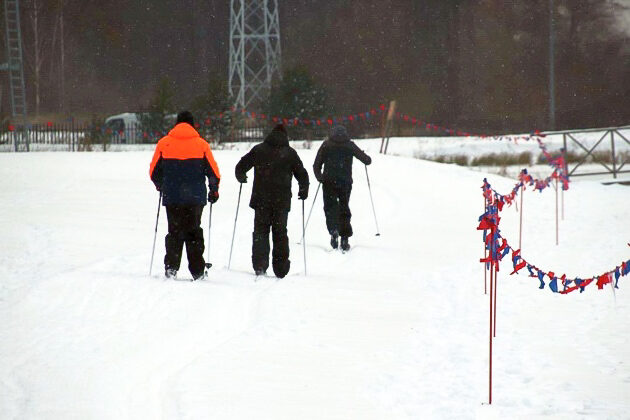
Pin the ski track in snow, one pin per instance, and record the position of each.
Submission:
(396, 328)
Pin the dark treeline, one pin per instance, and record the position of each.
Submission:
(476, 65)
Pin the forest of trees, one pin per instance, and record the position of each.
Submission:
(473, 64)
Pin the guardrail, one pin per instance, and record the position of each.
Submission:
(79, 137)
(616, 162)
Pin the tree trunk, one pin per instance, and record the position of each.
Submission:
(62, 65)
(36, 52)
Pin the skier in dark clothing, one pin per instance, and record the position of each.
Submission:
(275, 164)
(181, 162)
(336, 155)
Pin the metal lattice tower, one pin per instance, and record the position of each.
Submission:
(254, 50)
(15, 64)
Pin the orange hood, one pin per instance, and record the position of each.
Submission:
(183, 131)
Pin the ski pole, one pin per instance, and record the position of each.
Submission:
(372, 200)
(209, 264)
(155, 235)
(303, 234)
(311, 211)
(235, 218)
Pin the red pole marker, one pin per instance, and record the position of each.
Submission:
(520, 229)
(496, 276)
(490, 346)
(485, 254)
(556, 211)
(562, 192)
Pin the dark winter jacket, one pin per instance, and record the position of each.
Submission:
(336, 154)
(181, 163)
(275, 164)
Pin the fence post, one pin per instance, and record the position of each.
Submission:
(383, 125)
(614, 161)
(566, 154)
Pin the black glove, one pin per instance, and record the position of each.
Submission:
(213, 196)
(242, 178)
(303, 193)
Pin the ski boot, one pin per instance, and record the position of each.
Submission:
(201, 276)
(334, 240)
(170, 273)
(345, 246)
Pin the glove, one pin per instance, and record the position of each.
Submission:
(242, 179)
(303, 193)
(213, 197)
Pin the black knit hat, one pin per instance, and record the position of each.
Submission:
(186, 117)
(280, 127)
(339, 130)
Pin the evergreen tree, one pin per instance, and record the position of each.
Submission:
(298, 95)
(154, 123)
(212, 110)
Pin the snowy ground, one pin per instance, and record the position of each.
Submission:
(396, 329)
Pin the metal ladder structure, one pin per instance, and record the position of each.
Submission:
(15, 68)
(254, 50)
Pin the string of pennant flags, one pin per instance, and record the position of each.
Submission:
(382, 108)
(373, 112)
(497, 247)
(558, 162)
(525, 179)
(315, 122)
(419, 122)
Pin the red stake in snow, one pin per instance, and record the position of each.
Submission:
(490, 347)
(520, 229)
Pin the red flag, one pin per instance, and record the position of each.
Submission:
(602, 280)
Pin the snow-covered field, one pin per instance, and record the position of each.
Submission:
(395, 329)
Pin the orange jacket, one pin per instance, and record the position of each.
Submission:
(181, 161)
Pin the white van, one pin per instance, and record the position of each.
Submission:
(123, 128)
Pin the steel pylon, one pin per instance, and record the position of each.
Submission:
(15, 63)
(255, 54)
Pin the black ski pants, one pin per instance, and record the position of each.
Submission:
(337, 208)
(267, 219)
(184, 226)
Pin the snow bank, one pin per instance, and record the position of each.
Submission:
(395, 329)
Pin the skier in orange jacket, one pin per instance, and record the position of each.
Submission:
(181, 163)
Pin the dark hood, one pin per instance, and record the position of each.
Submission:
(277, 138)
(339, 134)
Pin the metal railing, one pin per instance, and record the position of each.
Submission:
(611, 159)
(72, 136)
